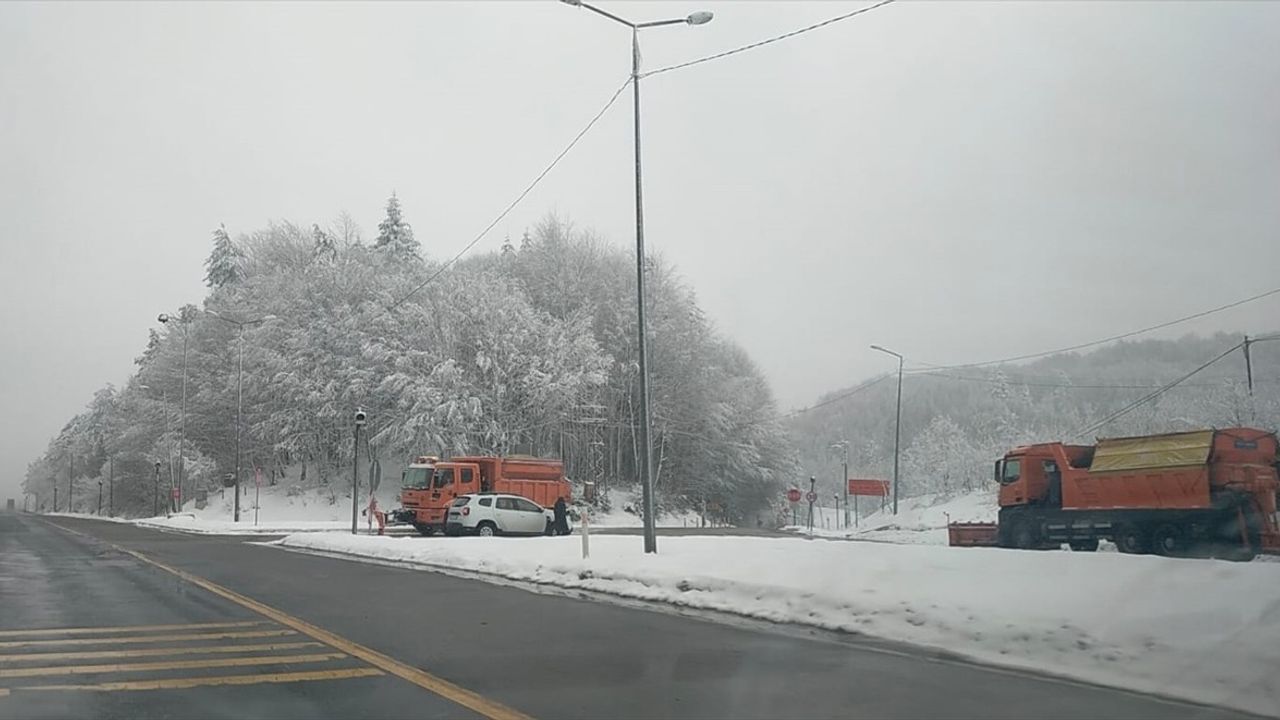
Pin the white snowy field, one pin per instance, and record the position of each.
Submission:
(1198, 629)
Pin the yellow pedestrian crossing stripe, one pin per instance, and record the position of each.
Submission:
(132, 640)
(190, 682)
(25, 664)
(153, 652)
(129, 628)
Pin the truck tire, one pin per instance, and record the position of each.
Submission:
(1084, 545)
(1168, 540)
(1129, 538)
(486, 529)
(425, 530)
(1023, 535)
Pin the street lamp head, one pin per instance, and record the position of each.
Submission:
(702, 17)
(164, 318)
(575, 3)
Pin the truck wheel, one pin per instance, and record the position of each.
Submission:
(1129, 538)
(1167, 540)
(1084, 545)
(425, 530)
(1023, 535)
(486, 529)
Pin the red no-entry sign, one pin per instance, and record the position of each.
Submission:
(793, 495)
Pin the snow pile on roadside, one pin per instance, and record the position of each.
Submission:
(86, 516)
(921, 520)
(1199, 629)
(618, 516)
(305, 510)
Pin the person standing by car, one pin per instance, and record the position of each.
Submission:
(562, 517)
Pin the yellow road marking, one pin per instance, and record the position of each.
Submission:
(169, 665)
(126, 629)
(182, 683)
(154, 652)
(147, 638)
(460, 695)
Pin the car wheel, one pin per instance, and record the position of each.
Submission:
(1084, 545)
(486, 529)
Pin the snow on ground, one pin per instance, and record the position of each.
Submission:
(1199, 629)
(920, 520)
(621, 501)
(306, 510)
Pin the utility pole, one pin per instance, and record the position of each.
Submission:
(645, 443)
(239, 416)
(99, 496)
(355, 470)
(71, 475)
(155, 497)
(111, 486)
(897, 425)
(55, 496)
(1248, 364)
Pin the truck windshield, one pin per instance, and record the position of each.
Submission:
(418, 478)
(1012, 471)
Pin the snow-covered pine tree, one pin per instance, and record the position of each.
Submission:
(326, 246)
(395, 236)
(226, 260)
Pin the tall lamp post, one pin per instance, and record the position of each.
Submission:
(240, 325)
(843, 446)
(182, 432)
(646, 449)
(897, 425)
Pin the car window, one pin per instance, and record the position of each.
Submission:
(506, 504)
(526, 506)
(486, 502)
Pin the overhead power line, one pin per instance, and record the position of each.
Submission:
(1063, 385)
(930, 367)
(1154, 394)
(837, 398)
(766, 41)
(440, 271)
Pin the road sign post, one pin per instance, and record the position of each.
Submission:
(257, 486)
(812, 497)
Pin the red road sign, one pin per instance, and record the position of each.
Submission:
(811, 496)
(175, 493)
(873, 488)
(793, 495)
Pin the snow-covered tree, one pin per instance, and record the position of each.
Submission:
(225, 264)
(395, 236)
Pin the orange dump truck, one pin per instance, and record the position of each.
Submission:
(429, 485)
(1208, 493)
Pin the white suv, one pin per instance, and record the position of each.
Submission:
(496, 514)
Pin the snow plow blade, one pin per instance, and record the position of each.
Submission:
(972, 534)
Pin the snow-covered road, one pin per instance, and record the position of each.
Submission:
(1197, 629)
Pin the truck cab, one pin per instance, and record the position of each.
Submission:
(1032, 474)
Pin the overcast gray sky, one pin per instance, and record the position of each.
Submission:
(958, 181)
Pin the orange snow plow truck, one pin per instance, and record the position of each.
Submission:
(1208, 493)
(429, 485)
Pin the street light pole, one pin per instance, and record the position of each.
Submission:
(182, 432)
(239, 394)
(897, 425)
(646, 448)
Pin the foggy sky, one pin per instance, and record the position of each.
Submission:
(957, 181)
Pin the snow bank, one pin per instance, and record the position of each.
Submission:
(305, 510)
(1198, 629)
(920, 520)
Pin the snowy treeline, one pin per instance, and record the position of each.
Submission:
(956, 421)
(527, 350)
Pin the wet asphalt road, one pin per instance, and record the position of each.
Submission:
(547, 656)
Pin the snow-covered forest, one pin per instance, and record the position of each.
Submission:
(956, 421)
(526, 350)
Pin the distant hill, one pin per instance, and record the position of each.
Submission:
(956, 421)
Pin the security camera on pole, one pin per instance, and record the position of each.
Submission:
(355, 470)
